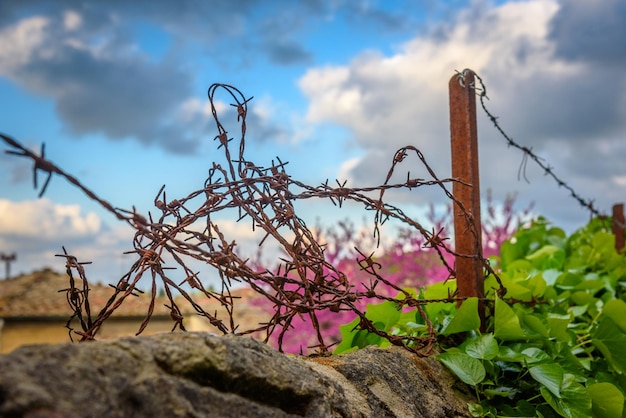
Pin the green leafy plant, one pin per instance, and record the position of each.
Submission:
(554, 345)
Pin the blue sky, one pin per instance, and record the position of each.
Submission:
(117, 91)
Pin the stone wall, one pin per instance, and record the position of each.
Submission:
(203, 375)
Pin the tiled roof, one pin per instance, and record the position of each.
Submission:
(37, 296)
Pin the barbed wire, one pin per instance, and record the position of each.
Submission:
(481, 92)
(304, 282)
(301, 285)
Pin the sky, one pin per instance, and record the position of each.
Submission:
(118, 93)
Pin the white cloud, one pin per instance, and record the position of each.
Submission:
(346, 167)
(194, 107)
(37, 230)
(70, 62)
(555, 105)
(44, 220)
(322, 84)
(264, 109)
(231, 229)
(619, 180)
(72, 20)
(396, 97)
(19, 42)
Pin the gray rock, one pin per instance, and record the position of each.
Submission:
(202, 375)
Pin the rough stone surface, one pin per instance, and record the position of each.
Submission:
(202, 375)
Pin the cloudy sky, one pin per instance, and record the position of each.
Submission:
(117, 91)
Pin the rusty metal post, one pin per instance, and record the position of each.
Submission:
(464, 137)
(618, 226)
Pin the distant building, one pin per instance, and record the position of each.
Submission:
(33, 311)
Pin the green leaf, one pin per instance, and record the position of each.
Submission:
(575, 401)
(550, 375)
(547, 257)
(483, 347)
(348, 332)
(439, 290)
(616, 310)
(607, 401)
(534, 355)
(364, 338)
(523, 408)
(386, 313)
(611, 341)
(562, 352)
(481, 410)
(533, 324)
(577, 310)
(537, 285)
(592, 285)
(604, 242)
(515, 287)
(468, 369)
(585, 299)
(501, 391)
(550, 276)
(508, 354)
(506, 325)
(558, 327)
(519, 268)
(465, 318)
(511, 250)
(569, 280)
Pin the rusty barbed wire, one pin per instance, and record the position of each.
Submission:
(302, 284)
(40, 163)
(77, 298)
(481, 92)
